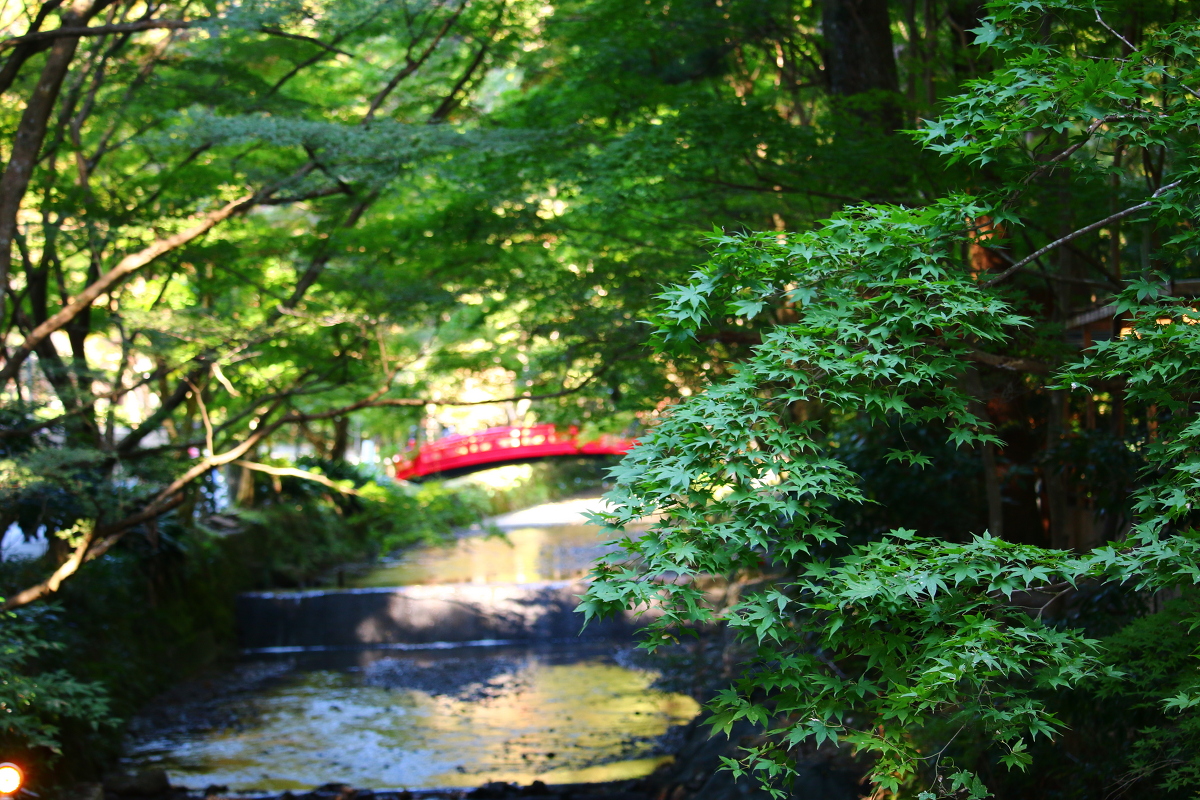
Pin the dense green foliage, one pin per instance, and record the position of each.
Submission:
(938, 410)
(900, 645)
(34, 706)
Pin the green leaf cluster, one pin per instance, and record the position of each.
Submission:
(879, 644)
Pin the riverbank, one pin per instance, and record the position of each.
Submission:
(157, 610)
(150, 786)
(693, 774)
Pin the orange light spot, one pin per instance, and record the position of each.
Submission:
(10, 778)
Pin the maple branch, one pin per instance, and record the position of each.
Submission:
(1036, 254)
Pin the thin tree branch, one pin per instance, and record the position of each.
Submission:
(411, 402)
(97, 30)
(114, 395)
(451, 100)
(125, 267)
(90, 548)
(783, 189)
(171, 496)
(1076, 234)
(12, 66)
(289, 472)
(51, 584)
(1009, 363)
(412, 65)
(208, 428)
(1070, 151)
(309, 39)
(1124, 41)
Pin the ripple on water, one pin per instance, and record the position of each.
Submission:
(451, 718)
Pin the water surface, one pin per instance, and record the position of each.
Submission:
(520, 555)
(434, 719)
(550, 542)
(459, 716)
(426, 719)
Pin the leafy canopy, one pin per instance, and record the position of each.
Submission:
(869, 643)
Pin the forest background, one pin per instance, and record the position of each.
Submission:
(234, 232)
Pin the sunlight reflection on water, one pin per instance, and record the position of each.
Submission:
(521, 555)
(561, 713)
(545, 714)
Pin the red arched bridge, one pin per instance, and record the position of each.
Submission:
(458, 455)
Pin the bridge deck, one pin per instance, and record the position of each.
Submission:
(496, 446)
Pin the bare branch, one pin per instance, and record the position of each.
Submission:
(114, 395)
(104, 537)
(289, 472)
(1072, 150)
(413, 402)
(51, 584)
(1076, 234)
(12, 66)
(412, 65)
(1009, 363)
(309, 39)
(208, 428)
(451, 101)
(92, 546)
(97, 30)
(1124, 41)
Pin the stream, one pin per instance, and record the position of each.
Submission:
(424, 707)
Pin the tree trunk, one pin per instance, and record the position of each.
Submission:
(31, 132)
(991, 478)
(341, 439)
(244, 494)
(81, 427)
(859, 57)
(1053, 479)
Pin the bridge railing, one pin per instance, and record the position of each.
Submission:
(503, 444)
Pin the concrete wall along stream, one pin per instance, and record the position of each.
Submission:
(456, 613)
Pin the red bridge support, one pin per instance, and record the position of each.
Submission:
(495, 446)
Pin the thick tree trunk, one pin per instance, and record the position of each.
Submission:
(859, 56)
(31, 132)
